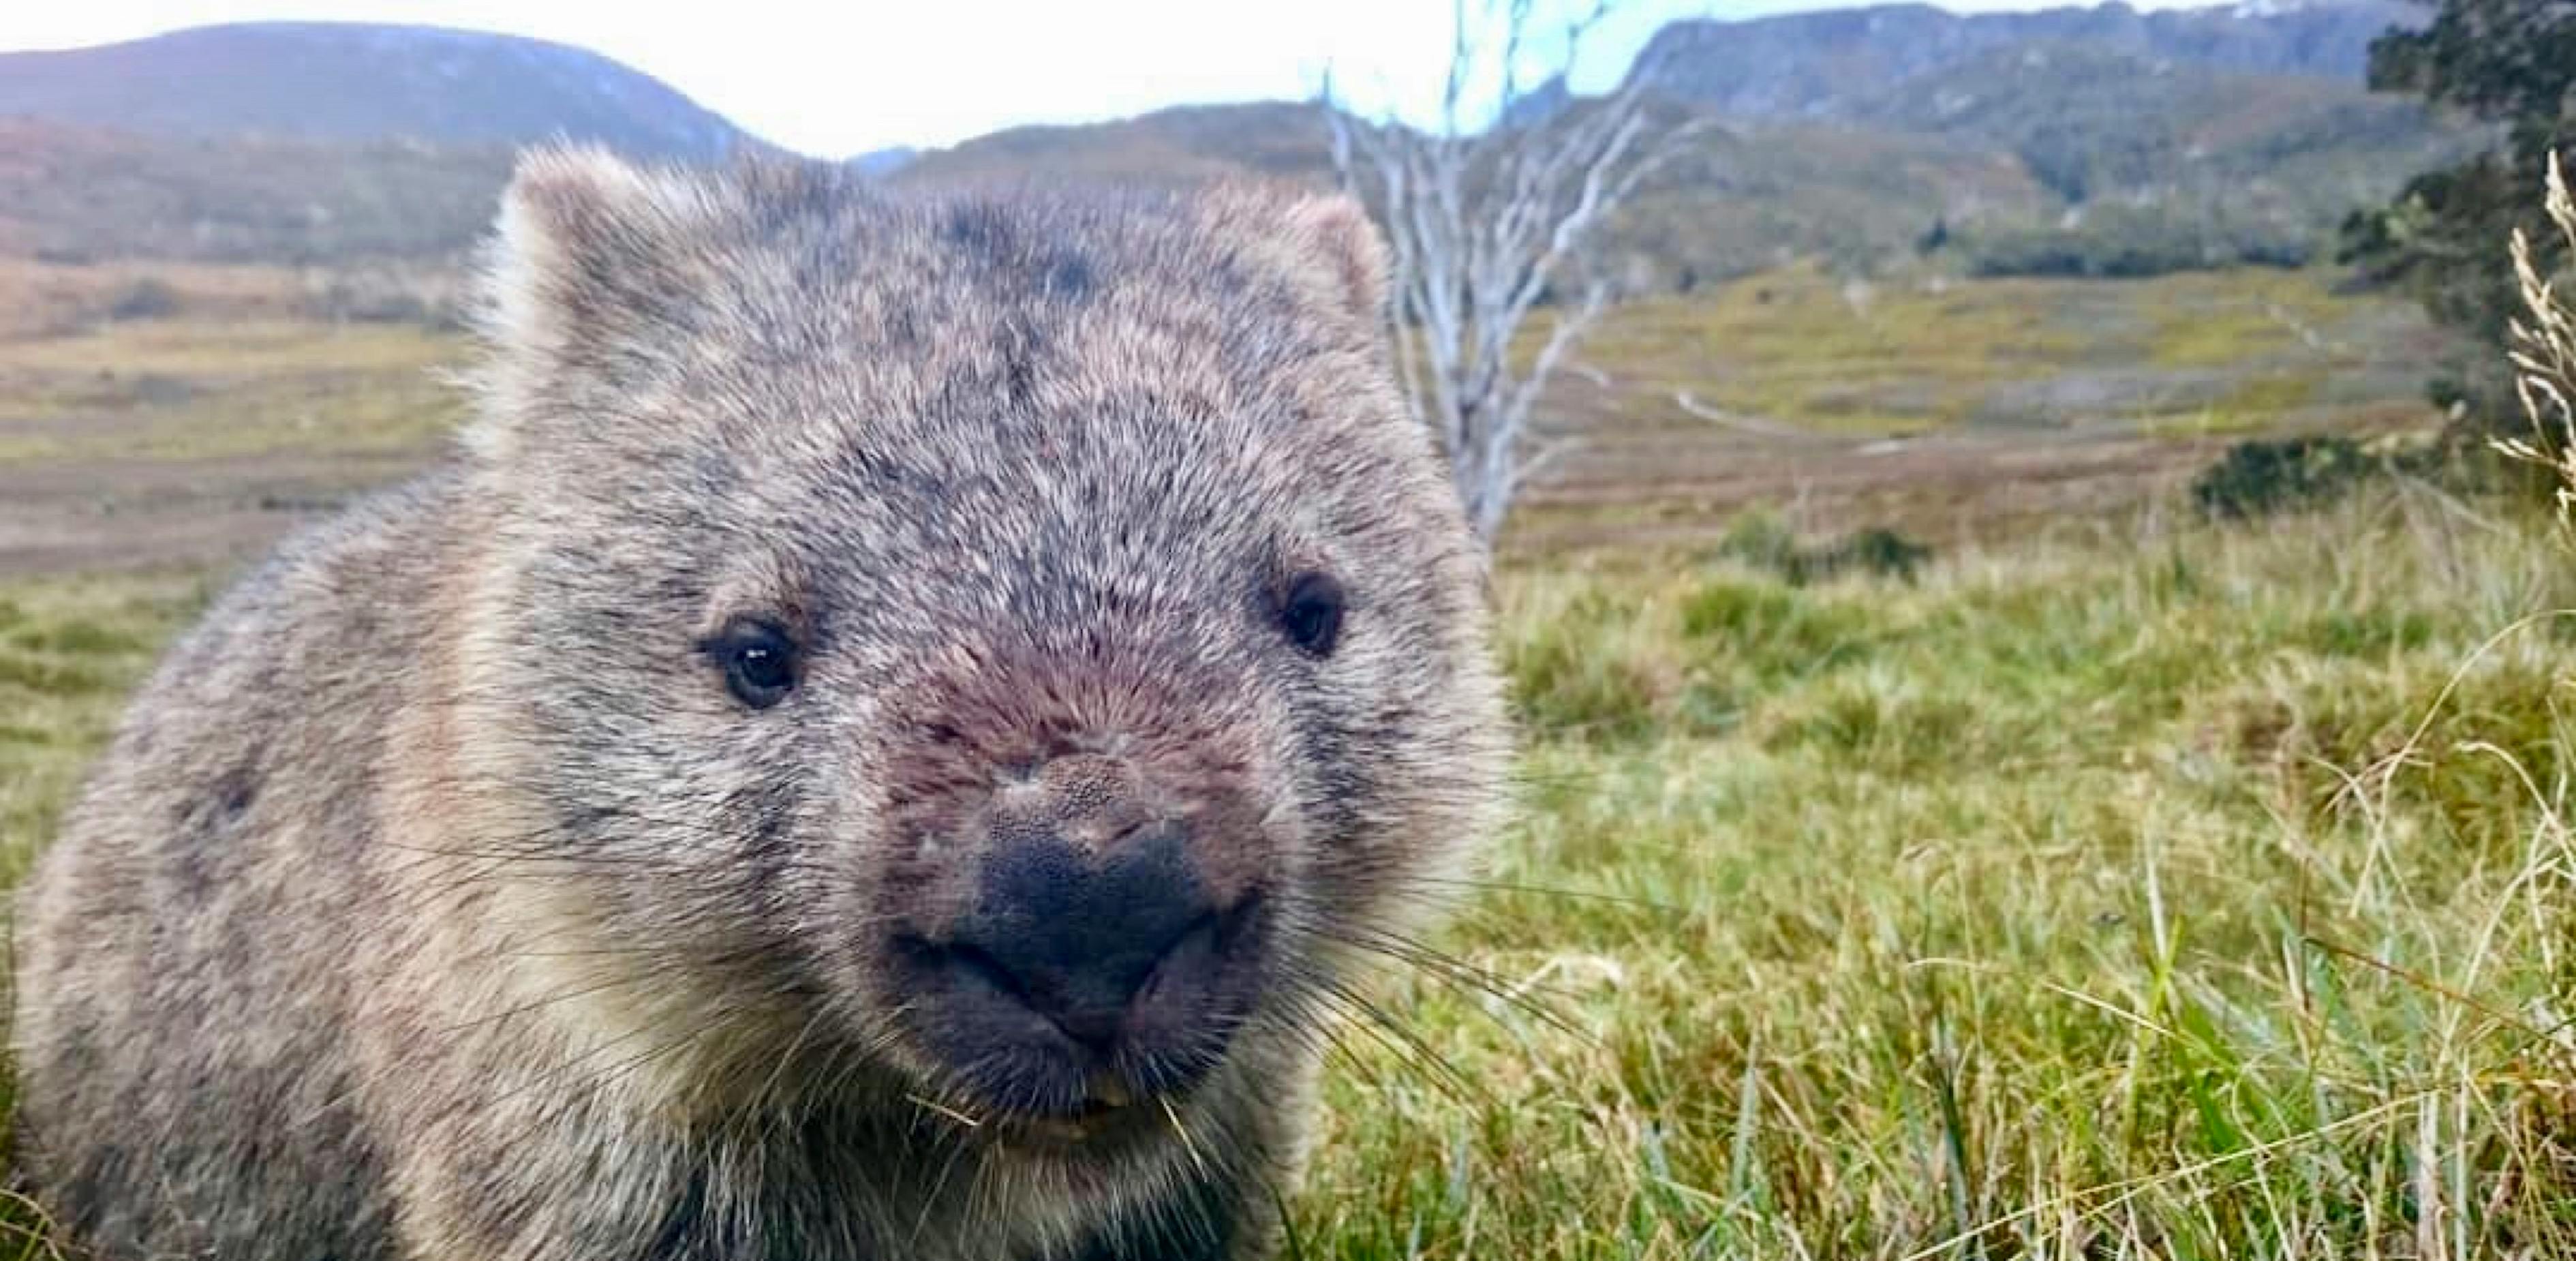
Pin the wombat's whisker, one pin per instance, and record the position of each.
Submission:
(1471, 980)
(933, 1105)
(1182, 1132)
(1408, 1047)
(1543, 891)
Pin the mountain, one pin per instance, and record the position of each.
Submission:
(1832, 63)
(2175, 138)
(2069, 139)
(1183, 144)
(2091, 120)
(884, 161)
(362, 82)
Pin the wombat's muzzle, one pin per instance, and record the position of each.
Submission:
(1107, 953)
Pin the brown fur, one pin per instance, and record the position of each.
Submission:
(437, 901)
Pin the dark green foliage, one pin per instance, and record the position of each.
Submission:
(1882, 552)
(2258, 478)
(2509, 62)
(2128, 242)
(1764, 542)
(148, 298)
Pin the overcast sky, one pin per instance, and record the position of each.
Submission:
(837, 79)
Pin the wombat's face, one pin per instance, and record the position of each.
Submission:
(1021, 643)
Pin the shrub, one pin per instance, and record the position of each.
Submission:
(1762, 541)
(1879, 552)
(2124, 242)
(2266, 476)
(145, 299)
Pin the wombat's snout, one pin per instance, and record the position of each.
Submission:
(1101, 957)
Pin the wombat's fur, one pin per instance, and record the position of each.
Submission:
(885, 743)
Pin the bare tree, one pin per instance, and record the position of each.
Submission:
(1485, 219)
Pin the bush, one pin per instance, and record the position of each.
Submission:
(1879, 552)
(2122, 242)
(1763, 541)
(145, 299)
(2261, 477)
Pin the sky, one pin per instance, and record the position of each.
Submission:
(833, 80)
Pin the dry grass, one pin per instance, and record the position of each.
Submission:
(2544, 349)
(2189, 894)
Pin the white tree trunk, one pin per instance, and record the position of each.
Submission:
(1482, 225)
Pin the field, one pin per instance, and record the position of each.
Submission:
(2140, 892)
(1952, 408)
(2116, 885)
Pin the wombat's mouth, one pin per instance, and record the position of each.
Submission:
(1032, 1063)
(1096, 1122)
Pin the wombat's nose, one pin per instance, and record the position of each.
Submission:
(1104, 948)
(1076, 932)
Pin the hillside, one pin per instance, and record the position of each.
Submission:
(1832, 63)
(2018, 153)
(2092, 122)
(2099, 139)
(75, 193)
(353, 81)
(1182, 144)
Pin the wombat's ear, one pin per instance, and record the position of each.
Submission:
(1335, 230)
(585, 260)
(1323, 242)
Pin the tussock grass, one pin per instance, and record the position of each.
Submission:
(2171, 893)
(2194, 893)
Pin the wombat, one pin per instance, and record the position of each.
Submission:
(892, 736)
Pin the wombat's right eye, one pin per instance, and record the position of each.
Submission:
(758, 660)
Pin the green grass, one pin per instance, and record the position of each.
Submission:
(196, 389)
(1866, 403)
(1803, 347)
(70, 650)
(2195, 894)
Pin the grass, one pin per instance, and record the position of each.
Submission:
(2140, 894)
(1899, 402)
(2124, 892)
(208, 388)
(1807, 348)
(70, 650)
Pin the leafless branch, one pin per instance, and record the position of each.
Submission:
(1485, 224)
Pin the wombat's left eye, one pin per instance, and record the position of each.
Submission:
(758, 660)
(1310, 611)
